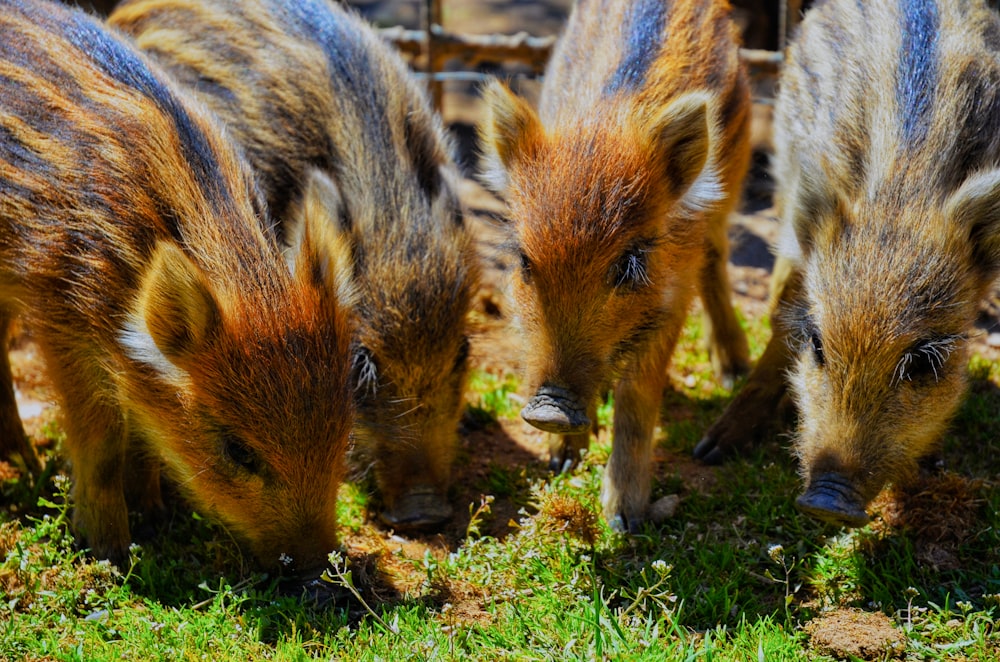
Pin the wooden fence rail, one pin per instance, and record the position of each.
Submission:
(533, 52)
(436, 47)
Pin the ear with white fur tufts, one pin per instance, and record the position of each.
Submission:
(175, 315)
(684, 133)
(508, 131)
(809, 201)
(976, 205)
(322, 247)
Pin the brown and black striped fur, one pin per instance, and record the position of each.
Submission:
(619, 190)
(132, 242)
(887, 135)
(308, 84)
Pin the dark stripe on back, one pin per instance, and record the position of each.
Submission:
(347, 56)
(123, 65)
(357, 76)
(917, 76)
(117, 61)
(16, 153)
(644, 28)
(352, 69)
(420, 142)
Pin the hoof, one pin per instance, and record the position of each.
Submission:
(418, 511)
(832, 499)
(625, 525)
(554, 409)
(318, 592)
(708, 451)
(558, 465)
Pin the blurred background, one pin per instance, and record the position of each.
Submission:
(510, 39)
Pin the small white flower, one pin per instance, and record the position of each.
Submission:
(285, 559)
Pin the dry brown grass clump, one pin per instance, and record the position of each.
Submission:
(8, 472)
(463, 603)
(564, 515)
(939, 512)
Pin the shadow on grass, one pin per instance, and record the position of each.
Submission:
(740, 550)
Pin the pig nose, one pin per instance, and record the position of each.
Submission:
(420, 509)
(556, 409)
(833, 498)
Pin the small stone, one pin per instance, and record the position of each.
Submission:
(100, 615)
(663, 509)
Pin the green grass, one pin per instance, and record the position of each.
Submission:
(736, 574)
(494, 397)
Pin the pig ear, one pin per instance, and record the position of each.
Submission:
(176, 312)
(809, 199)
(976, 205)
(685, 133)
(321, 254)
(508, 130)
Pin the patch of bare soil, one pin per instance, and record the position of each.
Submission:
(853, 633)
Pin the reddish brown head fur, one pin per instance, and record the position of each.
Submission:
(600, 232)
(618, 192)
(351, 109)
(133, 241)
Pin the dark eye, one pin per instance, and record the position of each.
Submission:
(631, 270)
(363, 369)
(817, 348)
(525, 267)
(463, 355)
(926, 359)
(237, 452)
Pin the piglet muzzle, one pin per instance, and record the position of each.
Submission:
(556, 409)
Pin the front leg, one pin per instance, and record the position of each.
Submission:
(97, 442)
(638, 396)
(143, 491)
(564, 450)
(724, 337)
(100, 516)
(754, 409)
(13, 441)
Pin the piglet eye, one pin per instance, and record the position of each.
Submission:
(463, 354)
(631, 271)
(817, 348)
(926, 359)
(525, 267)
(364, 369)
(237, 452)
